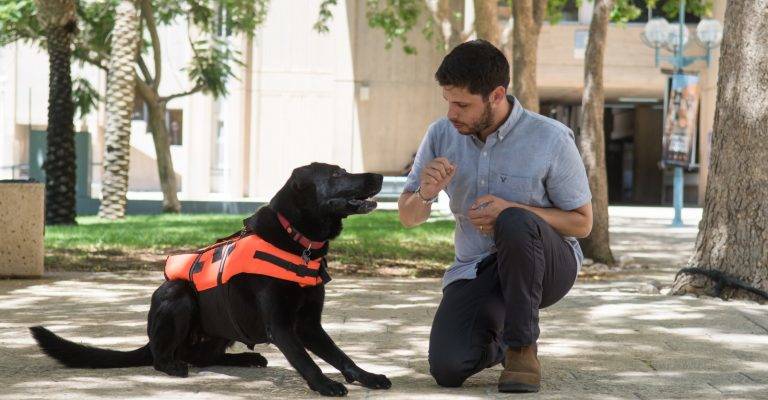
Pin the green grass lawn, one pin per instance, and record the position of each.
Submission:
(368, 243)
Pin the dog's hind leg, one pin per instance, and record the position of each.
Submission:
(172, 310)
(212, 351)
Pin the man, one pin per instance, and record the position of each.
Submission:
(519, 193)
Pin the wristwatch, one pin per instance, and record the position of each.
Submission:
(423, 200)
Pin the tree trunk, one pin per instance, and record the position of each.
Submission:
(60, 24)
(528, 15)
(120, 97)
(592, 143)
(452, 12)
(487, 20)
(156, 105)
(164, 161)
(734, 228)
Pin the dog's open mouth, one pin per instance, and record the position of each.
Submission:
(363, 205)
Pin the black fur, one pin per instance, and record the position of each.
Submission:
(315, 199)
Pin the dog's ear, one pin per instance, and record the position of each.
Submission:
(300, 180)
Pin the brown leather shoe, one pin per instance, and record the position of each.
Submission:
(522, 371)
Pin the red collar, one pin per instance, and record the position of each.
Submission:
(297, 236)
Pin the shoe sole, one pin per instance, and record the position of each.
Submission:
(518, 388)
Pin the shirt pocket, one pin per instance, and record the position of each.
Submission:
(511, 187)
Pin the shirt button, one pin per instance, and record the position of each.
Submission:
(485, 153)
(482, 181)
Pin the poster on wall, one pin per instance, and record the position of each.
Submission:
(678, 141)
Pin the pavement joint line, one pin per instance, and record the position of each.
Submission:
(715, 387)
(748, 377)
(753, 321)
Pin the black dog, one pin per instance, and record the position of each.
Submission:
(265, 309)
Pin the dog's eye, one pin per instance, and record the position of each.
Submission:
(337, 174)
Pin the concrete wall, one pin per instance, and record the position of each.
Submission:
(404, 96)
(629, 69)
(22, 217)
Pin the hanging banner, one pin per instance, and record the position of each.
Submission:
(681, 120)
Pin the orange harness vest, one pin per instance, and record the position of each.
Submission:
(215, 265)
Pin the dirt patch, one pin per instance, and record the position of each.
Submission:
(113, 260)
(104, 260)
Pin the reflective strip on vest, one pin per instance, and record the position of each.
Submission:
(247, 255)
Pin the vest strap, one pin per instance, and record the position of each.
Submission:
(299, 270)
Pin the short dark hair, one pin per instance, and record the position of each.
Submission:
(477, 66)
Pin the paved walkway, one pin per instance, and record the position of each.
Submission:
(612, 337)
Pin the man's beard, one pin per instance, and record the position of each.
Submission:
(485, 121)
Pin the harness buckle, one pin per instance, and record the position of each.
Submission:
(305, 254)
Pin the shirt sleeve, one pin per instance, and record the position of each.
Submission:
(567, 184)
(425, 154)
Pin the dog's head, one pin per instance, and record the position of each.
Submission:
(328, 191)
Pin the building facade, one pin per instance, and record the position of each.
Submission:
(341, 98)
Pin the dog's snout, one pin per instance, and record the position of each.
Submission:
(377, 180)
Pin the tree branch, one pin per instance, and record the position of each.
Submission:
(166, 99)
(149, 16)
(140, 44)
(97, 61)
(146, 92)
(144, 70)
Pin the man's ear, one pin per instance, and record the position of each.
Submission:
(499, 94)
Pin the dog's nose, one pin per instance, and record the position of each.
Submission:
(379, 179)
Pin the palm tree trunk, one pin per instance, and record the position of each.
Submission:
(734, 228)
(120, 97)
(58, 19)
(592, 143)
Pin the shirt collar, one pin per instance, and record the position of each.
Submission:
(506, 127)
(514, 116)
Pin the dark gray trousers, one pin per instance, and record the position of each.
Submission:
(477, 319)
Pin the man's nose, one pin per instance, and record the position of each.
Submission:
(453, 114)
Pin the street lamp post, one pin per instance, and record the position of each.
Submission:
(659, 33)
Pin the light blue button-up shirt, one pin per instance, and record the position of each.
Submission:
(530, 159)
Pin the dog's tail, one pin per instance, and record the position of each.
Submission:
(76, 355)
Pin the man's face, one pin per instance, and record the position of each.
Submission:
(468, 112)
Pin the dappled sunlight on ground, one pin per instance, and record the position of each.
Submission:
(602, 342)
(608, 339)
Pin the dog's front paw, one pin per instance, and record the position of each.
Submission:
(329, 387)
(373, 381)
